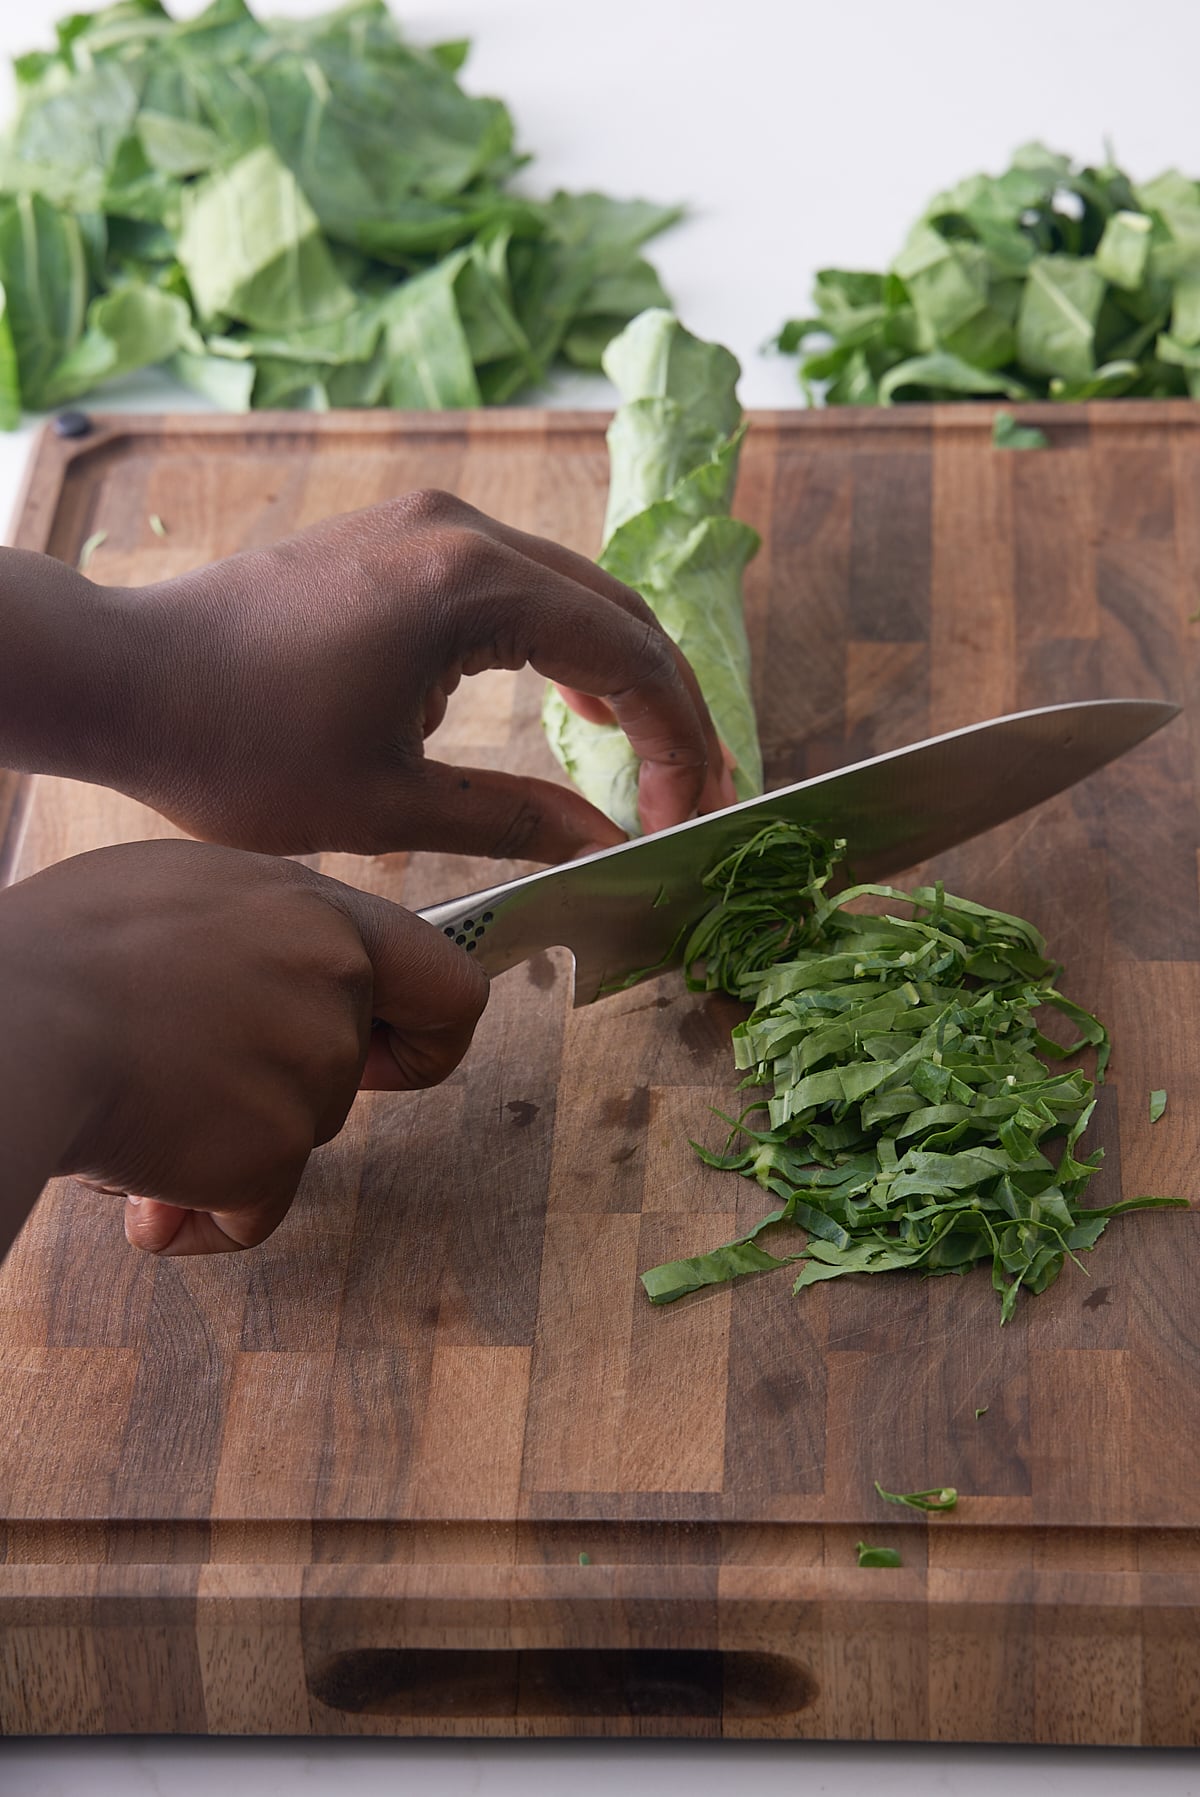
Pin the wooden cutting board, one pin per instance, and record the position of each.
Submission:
(428, 1462)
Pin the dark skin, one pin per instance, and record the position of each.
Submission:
(186, 1022)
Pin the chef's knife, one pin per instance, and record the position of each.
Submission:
(622, 912)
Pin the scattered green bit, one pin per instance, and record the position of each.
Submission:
(1008, 434)
(673, 448)
(936, 1498)
(982, 1411)
(877, 1556)
(157, 525)
(1050, 281)
(90, 547)
(585, 1559)
(295, 212)
(909, 1104)
(1158, 1104)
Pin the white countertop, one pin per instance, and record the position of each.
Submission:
(799, 134)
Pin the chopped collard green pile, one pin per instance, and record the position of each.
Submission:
(1050, 281)
(291, 213)
(911, 1119)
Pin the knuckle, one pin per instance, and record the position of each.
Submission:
(518, 832)
(427, 505)
(652, 658)
(459, 560)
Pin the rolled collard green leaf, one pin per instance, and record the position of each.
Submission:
(673, 450)
(680, 408)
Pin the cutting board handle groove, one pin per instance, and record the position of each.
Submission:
(561, 1682)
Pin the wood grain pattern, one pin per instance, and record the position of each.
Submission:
(342, 1484)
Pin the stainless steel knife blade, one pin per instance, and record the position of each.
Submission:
(622, 912)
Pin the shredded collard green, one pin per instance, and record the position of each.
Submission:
(911, 1119)
(876, 1556)
(937, 1497)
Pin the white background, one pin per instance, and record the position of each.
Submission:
(799, 134)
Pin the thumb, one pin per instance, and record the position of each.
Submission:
(174, 1230)
(426, 998)
(484, 811)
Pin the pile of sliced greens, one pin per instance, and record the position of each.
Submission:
(1048, 281)
(673, 448)
(303, 213)
(912, 1120)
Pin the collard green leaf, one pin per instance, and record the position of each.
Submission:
(10, 380)
(673, 449)
(1124, 249)
(1057, 322)
(226, 383)
(289, 181)
(1050, 280)
(132, 327)
(429, 357)
(44, 271)
(941, 375)
(252, 250)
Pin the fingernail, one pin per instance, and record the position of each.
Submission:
(728, 756)
(596, 848)
(727, 788)
(130, 1199)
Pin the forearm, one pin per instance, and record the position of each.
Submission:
(69, 655)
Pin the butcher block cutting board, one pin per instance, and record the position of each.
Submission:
(428, 1461)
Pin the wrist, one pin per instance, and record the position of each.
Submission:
(73, 670)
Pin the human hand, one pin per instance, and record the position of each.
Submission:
(209, 1015)
(284, 695)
